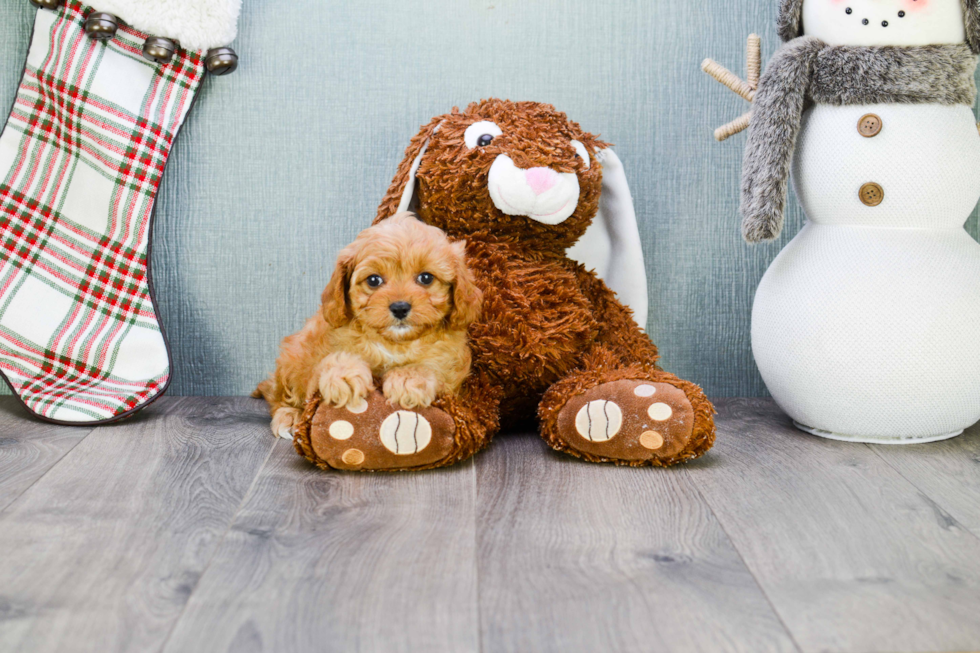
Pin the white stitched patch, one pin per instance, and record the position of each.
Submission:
(341, 430)
(644, 391)
(660, 412)
(405, 433)
(599, 421)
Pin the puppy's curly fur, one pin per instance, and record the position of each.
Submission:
(360, 335)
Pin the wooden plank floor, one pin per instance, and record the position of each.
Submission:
(187, 528)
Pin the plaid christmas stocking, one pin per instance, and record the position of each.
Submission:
(81, 158)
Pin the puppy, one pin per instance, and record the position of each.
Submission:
(396, 309)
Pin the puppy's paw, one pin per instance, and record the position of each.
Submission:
(283, 422)
(345, 382)
(411, 387)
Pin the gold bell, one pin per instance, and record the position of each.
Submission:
(221, 61)
(158, 49)
(100, 25)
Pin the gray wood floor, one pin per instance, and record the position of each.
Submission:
(188, 529)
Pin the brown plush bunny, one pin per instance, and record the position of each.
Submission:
(521, 184)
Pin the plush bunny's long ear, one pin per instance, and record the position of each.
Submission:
(401, 195)
(611, 245)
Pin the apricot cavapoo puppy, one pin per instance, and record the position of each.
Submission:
(396, 309)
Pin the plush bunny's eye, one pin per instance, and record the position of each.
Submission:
(582, 152)
(481, 134)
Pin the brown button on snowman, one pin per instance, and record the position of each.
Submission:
(864, 327)
(869, 125)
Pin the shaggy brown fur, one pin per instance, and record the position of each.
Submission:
(356, 337)
(550, 329)
(452, 179)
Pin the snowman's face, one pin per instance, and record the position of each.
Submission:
(884, 22)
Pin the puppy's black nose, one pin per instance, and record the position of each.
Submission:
(400, 309)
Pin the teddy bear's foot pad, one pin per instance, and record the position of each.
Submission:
(376, 436)
(628, 420)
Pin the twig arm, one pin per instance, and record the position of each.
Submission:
(745, 89)
(736, 126)
(728, 78)
(754, 60)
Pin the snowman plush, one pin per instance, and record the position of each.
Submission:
(866, 327)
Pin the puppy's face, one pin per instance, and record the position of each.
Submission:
(402, 297)
(402, 279)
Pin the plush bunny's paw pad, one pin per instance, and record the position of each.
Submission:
(373, 435)
(628, 420)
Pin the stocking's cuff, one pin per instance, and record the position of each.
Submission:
(196, 24)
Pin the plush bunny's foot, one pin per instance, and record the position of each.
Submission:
(373, 435)
(628, 421)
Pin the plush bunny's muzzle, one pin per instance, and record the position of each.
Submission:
(541, 194)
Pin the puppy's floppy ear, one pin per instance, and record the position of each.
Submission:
(467, 297)
(401, 195)
(336, 309)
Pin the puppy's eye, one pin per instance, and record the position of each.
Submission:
(582, 152)
(481, 134)
(374, 281)
(425, 279)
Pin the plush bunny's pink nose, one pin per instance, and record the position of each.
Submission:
(540, 180)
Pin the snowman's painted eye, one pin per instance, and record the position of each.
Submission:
(865, 21)
(901, 14)
(884, 23)
(848, 11)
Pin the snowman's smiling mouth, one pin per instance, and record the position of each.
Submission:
(874, 23)
(867, 21)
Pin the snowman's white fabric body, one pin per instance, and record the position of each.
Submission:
(866, 325)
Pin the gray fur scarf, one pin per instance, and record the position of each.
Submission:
(808, 70)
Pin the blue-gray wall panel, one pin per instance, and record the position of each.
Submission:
(282, 163)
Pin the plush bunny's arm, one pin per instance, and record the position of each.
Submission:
(618, 330)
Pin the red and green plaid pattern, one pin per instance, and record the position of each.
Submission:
(81, 158)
